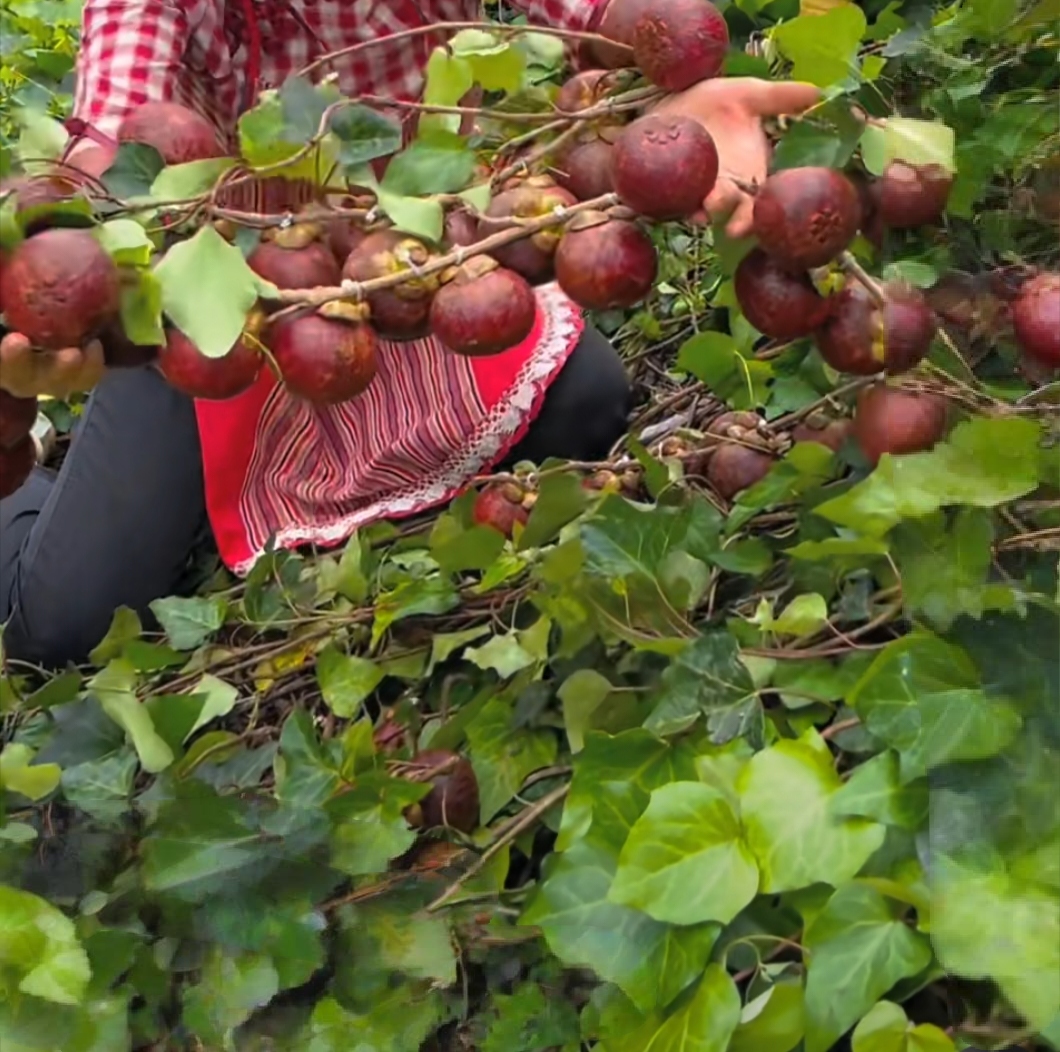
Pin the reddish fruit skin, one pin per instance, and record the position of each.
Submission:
(16, 465)
(619, 21)
(664, 166)
(59, 287)
(210, 379)
(732, 468)
(487, 315)
(295, 268)
(492, 508)
(5, 259)
(832, 435)
(454, 797)
(678, 43)
(525, 257)
(178, 133)
(40, 194)
(461, 228)
(889, 420)
(323, 360)
(585, 169)
(607, 266)
(778, 303)
(908, 195)
(804, 217)
(846, 339)
(1036, 319)
(400, 313)
(17, 417)
(580, 91)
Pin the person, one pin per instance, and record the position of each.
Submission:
(150, 473)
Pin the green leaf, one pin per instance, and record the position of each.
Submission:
(529, 1020)
(207, 290)
(561, 499)
(448, 80)
(399, 1020)
(875, 791)
(823, 48)
(133, 171)
(229, 990)
(581, 694)
(141, 309)
(176, 182)
(504, 654)
(115, 687)
(887, 1029)
(456, 548)
(397, 941)
(218, 700)
(189, 622)
(685, 861)
(859, 947)
(124, 628)
(650, 961)
(364, 135)
(707, 678)
(988, 925)
(923, 698)
(803, 616)
(786, 793)
(346, 681)
(918, 142)
(438, 163)
(41, 138)
(986, 461)
(267, 138)
(101, 788)
(126, 242)
(413, 215)
(40, 953)
(496, 65)
(719, 361)
(18, 774)
(704, 1022)
(773, 1022)
(369, 826)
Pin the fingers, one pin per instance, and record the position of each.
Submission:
(29, 373)
(723, 200)
(741, 222)
(774, 99)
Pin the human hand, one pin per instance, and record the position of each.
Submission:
(732, 109)
(27, 372)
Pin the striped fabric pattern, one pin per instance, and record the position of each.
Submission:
(277, 468)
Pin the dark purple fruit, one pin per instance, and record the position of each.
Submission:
(178, 133)
(678, 43)
(295, 268)
(908, 195)
(214, 379)
(326, 361)
(605, 264)
(1036, 319)
(533, 198)
(733, 468)
(453, 801)
(890, 420)
(779, 303)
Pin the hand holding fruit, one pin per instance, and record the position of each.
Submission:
(732, 110)
(26, 372)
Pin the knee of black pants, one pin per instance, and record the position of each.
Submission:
(586, 408)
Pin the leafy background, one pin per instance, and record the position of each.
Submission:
(767, 777)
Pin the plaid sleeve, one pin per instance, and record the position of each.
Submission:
(131, 52)
(563, 14)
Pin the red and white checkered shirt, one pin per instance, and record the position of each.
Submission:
(276, 467)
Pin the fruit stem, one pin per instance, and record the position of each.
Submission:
(298, 298)
(849, 265)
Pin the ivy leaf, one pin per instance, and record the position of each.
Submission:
(40, 949)
(364, 135)
(875, 791)
(986, 461)
(141, 310)
(651, 962)
(859, 947)
(438, 163)
(133, 171)
(207, 290)
(704, 1022)
(115, 687)
(266, 138)
(988, 925)
(718, 360)
(561, 499)
(775, 1020)
(229, 990)
(18, 774)
(101, 788)
(529, 1020)
(502, 653)
(887, 1029)
(41, 138)
(706, 678)
(922, 697)
(218, 700)
(411, 944)
(399, 1020)
(413, 215)
(495, 64)
(125, 241)
(368, 823)
(803, 616)
(786, 793)
(823, 48)
(124, 628)
(581, 694)
(918, 142)
(179, 181)
(448, 79)
(303, 105)
(346, 681)
(685, 861)
(189, 622)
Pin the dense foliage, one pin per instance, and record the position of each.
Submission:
(764, 776)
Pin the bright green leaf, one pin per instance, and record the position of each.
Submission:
(115, 687)
(823, 48)
(581, 694)
(887, 1029)
(189, 622)
(346, 681)
(176, 182)
(18, 774)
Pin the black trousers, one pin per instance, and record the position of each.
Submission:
(119, 524)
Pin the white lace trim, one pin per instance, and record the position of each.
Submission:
(563, 324)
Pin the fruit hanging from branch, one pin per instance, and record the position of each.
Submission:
(500, 507)
(1036, 319)
(908, 195)
(678, 43)
(453, 800)
(178, 133)
(895, 421)
(323, 360)
(604, 263)
(400, 313)
(664, 166)
(59, 288)
(482, 309)
(533, 198)
(805, 217)
(779, 303)
(862, 337)
(213, 379)
(305, 267)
